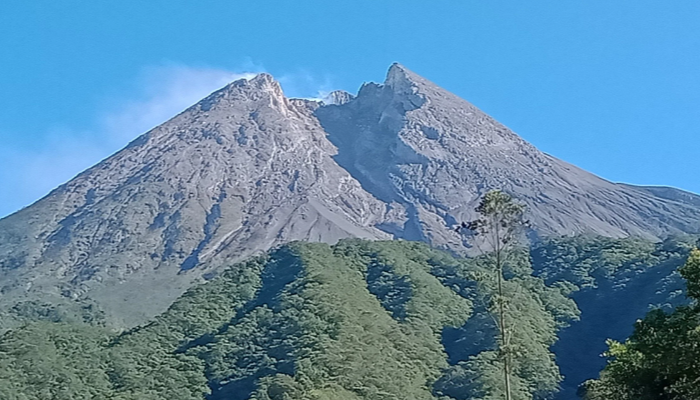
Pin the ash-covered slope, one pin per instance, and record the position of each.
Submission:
(415, 145)
(247, 169)
(242, 171)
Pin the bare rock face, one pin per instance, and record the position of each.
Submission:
(247, 169)
(242, 171)
(412, 143)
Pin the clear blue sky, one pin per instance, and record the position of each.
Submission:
(611, 86)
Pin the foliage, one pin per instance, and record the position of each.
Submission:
(614, 282)
(585, 260)
(532, 329)
(358, 320)
(50, 361)
(588, 260)
(691, 273)
(56, 310)
(501, 223)
(661, 360)
(57, 361)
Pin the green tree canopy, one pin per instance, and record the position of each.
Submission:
(661, 360)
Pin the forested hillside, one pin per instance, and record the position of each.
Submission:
(357, 320)
(660, 360)
(614, 282)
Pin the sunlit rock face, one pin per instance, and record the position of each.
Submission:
(247, 169)
(433, 153)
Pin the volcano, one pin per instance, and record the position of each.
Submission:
(247, 169)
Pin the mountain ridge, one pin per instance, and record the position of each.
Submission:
(468, 147)
(246, 169)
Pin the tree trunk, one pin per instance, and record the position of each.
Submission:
(502, 316)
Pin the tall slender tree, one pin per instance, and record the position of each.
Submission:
(499, 226)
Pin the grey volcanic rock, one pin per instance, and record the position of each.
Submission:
(242, 171)
(338, 97)
(414, 144)
(247, 169)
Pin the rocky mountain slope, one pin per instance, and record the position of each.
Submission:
(247, 169)
(413, 143)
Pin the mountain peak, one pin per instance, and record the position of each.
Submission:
(338, 97)
(247, 169)
(262, 81)
(260, 86)
(395, 68)
(263, 78)
(399, 76)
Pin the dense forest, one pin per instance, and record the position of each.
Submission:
(378, 320)
(661, 360)
(614, 283)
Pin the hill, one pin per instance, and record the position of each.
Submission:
(358, 320)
